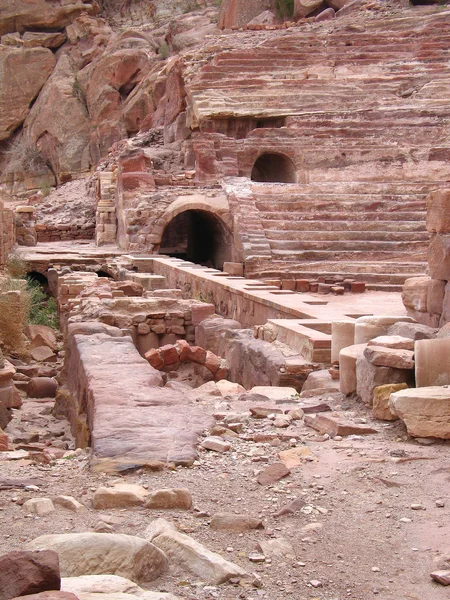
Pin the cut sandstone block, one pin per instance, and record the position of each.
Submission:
(389, 357)
(370, 376)
(367, 328)
(342, 336)
(438, 211)
(432, 362)
(347, 367)
(393, 341)
(425, 411)
(381, 395)
(334, 424)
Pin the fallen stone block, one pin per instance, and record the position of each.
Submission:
(432, 362)
(121, 495)
(105, 553)
(70, 503)
(393, 341)
(389, 357)
(279, 547)
(216, 444)
(369, 376)
(195, 558)
(425, 411)
(320, 380)
(23, 572)
(442, 577)
(335, 424)
(42, 387)
(381, 395)
(238, 523)
(276, 393)
(415, 331)
(293, 457)
(38, 506)
(367, 328)
(273, 473)
(173, 498)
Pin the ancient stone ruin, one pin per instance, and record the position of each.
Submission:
(224, 299)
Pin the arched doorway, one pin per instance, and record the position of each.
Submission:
(271, 167)
(197, 236)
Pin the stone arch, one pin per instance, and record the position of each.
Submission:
(274, 167)
(197, 232)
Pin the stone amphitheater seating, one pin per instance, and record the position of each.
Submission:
(364, 115)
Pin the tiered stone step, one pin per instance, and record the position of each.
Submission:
(287, 75)
(370, 231)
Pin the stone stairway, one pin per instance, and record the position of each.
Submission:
(390, 63)
(369, 231)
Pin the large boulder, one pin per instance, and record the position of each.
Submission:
(20, 15)
(63, 142)
(237, 13)
(304, 8)
(23, 72)
(104, 553)
(425, 411)
(23, 572)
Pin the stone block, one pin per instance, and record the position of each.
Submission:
(439, 257)
(381, 395)
(347, 367)
(367, 328)
(200, 312)
(235, 269)
(432, 362)
(342, 336)
(390, 357)
(302, 285)
(415, 293)
(393, 341)
(425, 411)
(438, 211)
(369, 376)
(23, 573)
(435, 297)
(335, 424)
(414, 331)
(303, 8)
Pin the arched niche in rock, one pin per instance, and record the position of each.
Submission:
(274, 168)
(198, 236)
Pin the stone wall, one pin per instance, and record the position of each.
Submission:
(427, 299)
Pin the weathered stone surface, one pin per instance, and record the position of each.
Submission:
(320, 380)
(23, 72)
(20, 15)
(438, 211)
(42, 354)
(303, 8)
(51, 595)
(347, 367)
(262, 412)
(414, 331)
(275, 393)
(336, 424)
(265, 18)
(23, 572)
(38, 506)
(209, 333)
(173, 498)
(367, 328)
(119, 496)
(70, 503)
(293, 457)
(326, 15)
(435, 297)
(442, 577)
(432, 362)
(126, 401)
(439, 257)
(381, 395)
(273, 473)
(238, 523)
(5, 416)
(193, 557)
(236, 13)
(43, 40)
(393, 341)
(102, 584)
(63, 142)
(415, 293)
(425, 411)
(4, 442)
(280, 547)
(228, 387)
(216, 444)
(102, 553)
(390, 357)
(42, 387)
(46, 336)
(369, 376)
(342, 336)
